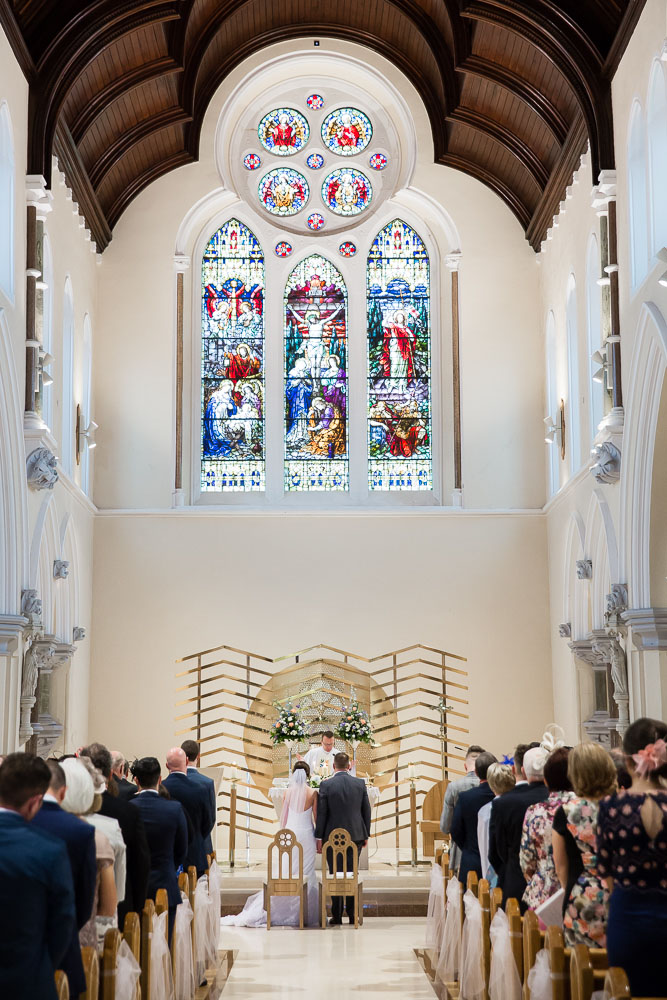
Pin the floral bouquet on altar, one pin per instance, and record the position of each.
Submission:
(289, 727)
(354, 725)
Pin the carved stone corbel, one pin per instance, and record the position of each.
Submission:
(584, 569)
(41, 469)
(565, 630)
(616, 603)
(60, 569)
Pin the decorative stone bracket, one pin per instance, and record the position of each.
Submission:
(584, 569)
(607, 448)
(41, 469)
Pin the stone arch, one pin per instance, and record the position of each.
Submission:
(13, 500)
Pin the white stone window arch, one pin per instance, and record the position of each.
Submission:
(596, 389)
(656, 129)
(86, 402)
(637, 196)
(67, 396)
(6, 203)
(574, 390)
(553, 401)
(46, 390)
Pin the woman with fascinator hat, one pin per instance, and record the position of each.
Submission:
(632, 858)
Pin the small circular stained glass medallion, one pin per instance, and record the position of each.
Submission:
(346, 191)
(347, 249)
(315, 161)
(378, 161)
(283, 249)
(346, 131)
(283, 131)
(283, 191)
(251, 161)
(315, 102)
(315, 221)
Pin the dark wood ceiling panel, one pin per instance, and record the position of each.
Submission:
(513, 88)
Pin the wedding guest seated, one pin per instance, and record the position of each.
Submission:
(37, 915)
(196, 802)
(506, 825)
(632, 858)
(536, 856)
(191, 750)
(79, 839)
(79, 799)
(464, 823)
(593, 776)
(109, 827)
(126, 789)
(452, 792)
(501, 779)
(166, 832)
(138, 862)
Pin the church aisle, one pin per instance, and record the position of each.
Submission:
(378, 960)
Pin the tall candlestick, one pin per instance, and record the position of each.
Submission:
(411, 772)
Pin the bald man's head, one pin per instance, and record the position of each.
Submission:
(176, 760)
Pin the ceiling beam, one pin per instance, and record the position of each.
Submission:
(504, 136)
(122, 85)
(521, 88)
(131, 137)
(72, 166)
(542, 218)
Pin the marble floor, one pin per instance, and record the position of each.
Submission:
(338, 963)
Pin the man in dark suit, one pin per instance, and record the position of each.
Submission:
(464, 823)
(132, 828)
(37, 914)
(343, 803)
(191, 750)
(126, 789)
(79, 838)
(196, 802)
(506, 824)
(166, 832)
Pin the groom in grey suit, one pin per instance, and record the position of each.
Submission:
(343, 803)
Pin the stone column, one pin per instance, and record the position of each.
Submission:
(181, 265)
(647, 634)
(11, 638)
(600, 725)
(453, 261)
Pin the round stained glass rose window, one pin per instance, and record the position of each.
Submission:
(346, 131)
(283, 131)
(315, 221)
(346, 191)
(283, 191)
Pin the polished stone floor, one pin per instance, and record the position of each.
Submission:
(338, 963)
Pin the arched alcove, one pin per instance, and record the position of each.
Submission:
(637, 193)
(6, 203)
(67, 382)
(13, 515)
(573, 380)
(656, 128)
(596, 387)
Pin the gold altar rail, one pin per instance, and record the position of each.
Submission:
(226, 702)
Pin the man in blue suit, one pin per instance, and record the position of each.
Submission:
(79, 838)
(191, 751)
(166, 832)
(464, 823)
(197, 803)
(37, 915)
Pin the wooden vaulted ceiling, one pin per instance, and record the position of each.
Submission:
(513, 88)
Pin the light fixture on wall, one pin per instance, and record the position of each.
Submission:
(662, 255)
(45, 359)
(602, 363)
(84, 435)
(555, 429)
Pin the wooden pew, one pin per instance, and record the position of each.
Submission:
(472, 883)
(132, 937)
(588, 967)
(513, 911)
(146, 937)
(112, 940)
(533, 941)
(559, 957)
(91, 968)
(62, 985)
(484, 896)
(161, 901)
(496, 901)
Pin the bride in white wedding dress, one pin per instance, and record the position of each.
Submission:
(299, 814)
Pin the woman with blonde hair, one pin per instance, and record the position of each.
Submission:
(632, 839)
(80, 800)
(592, 774)
(501, 779)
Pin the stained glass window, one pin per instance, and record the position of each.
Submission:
(399, 361)
(315, 331)
(232, 365)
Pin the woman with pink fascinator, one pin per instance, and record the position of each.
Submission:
(632, 858)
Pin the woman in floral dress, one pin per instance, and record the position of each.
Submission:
(536, 856)
(593, 776)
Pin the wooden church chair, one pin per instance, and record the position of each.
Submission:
(341, 882)
(280, 859)
(513, 911)
(430, 821)
(62, 985)
(533, 941)
(91, 969)
(588, 967)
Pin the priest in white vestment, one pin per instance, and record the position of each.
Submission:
(320, 757)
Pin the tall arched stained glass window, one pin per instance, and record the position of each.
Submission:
(399, 361)
(232, 365)
(315, 331)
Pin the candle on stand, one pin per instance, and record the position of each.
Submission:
(411, 772)
(234, 774)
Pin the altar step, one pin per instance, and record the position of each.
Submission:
(402, 893)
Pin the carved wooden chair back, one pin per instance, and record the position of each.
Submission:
(284, 871)
(343, 878)
(62, 986)
(91, 968)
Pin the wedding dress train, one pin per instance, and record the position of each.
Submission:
(285, 909)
